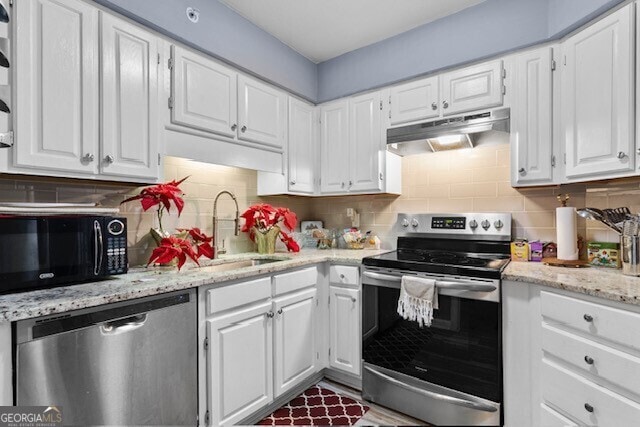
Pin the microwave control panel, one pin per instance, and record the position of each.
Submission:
(116, 247)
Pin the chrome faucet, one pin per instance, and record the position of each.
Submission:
(217, 251)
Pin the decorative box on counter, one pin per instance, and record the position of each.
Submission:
(536, 248)
(520, 250)
(603, 254)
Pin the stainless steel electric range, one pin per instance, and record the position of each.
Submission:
(451, 372)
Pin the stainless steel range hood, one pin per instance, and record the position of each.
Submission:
(446, 134)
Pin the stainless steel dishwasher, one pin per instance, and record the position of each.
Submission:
(130, 363)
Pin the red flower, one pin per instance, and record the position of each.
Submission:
(173, 248)
(201, 240)
(161, 194)
(292, 245)
(264, 217)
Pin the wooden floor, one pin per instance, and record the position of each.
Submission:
(377, 415)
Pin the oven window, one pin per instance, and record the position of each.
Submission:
(461, 349)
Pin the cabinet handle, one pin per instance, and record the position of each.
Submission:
(270, 314)
(243, 129)
(588, 407)
(588, 360)
(292, 182)
(234, 126)
(588, 317)
(342, 184)
(109, 159)
(521, 171)
(445, 104)
(88, 158)
(434, 106)
(342, 277)
(280, 311)
(350, 184)
(353, 300)
(622, 155)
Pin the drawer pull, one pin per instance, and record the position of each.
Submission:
(588, 317)
(588, 360)
(342, 276)
(588, 407)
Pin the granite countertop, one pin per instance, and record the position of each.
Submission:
(141, 282)
(604, 283)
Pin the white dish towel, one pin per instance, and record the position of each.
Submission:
(418, 299)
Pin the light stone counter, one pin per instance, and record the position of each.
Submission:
(142, 282)
(604, 283)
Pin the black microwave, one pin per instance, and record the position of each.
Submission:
(48, 251)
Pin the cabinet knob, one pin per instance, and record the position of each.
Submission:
(88, 158)
(292, 182)
(350, 184)
(234, 126)
(342, 184)
(280, 311)
(109, 159)
(588, 360)
(434, 106)
(353, 300)
(588, 317)
(622, 155)
(243, 129)
(342, 277)
(521, 171)
(270, 314)
(588, 407)
(445, 104)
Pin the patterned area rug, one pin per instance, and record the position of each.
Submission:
(317, 407)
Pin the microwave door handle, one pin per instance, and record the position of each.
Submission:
(480, 406)
(465, 286)
(98, 246)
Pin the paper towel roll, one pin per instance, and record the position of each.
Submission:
(567, 233)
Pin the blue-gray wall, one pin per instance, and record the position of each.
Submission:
(225, 34)
(487, 29)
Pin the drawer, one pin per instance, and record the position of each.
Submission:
(585, 355)
(572, 394)
(551, 418)
(238, 294)
(597, 321)
(289, 282)
(344, 275)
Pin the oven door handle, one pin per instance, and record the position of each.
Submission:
(442, 284)
(480, 406)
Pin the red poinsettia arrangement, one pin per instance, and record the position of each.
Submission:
(263, 217)
(190, 243)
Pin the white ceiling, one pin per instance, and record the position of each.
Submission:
(324, 29)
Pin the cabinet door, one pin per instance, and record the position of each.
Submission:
(57, 112)
(334, 147)
(597, 98)
(472, 88)
(203, 93)
(129, 100)
(295, 357)
(531, 118)
(240, 364)
(302, 148)
(344, 321)
(414, 101)
(365, 142)
(261, 113)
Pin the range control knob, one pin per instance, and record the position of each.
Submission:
(405, 223)
(414, 223)
(486, 224)
(498, 224)
(473, 224)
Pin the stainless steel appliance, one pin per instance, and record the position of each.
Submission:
(46, 251)
(132, 363)
(449, 373)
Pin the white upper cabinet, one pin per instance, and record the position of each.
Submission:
(414, 101)
(334, 146)
(365, 142)
(57, 110)
(472, 88)
(597, 98)
(262, 113)
(302, 155)
(531, 118)
(203, 93)
(129, 100)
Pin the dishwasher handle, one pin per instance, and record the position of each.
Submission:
(121, 326)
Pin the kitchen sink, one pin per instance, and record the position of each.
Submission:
(234, 265)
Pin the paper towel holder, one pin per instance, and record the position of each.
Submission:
(563, 199)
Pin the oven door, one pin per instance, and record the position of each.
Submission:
(448, 373)
(46, 251)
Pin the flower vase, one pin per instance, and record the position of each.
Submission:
(266, 241)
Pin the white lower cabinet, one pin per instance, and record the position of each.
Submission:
(239, 368)
(344, 324)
